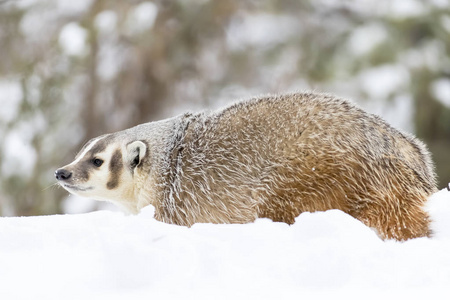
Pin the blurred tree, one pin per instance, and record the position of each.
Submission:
(71, 70)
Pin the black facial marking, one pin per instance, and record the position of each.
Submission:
(145, 154)
(81, 170)
(99, 147)
(115, 168)
(135, 161)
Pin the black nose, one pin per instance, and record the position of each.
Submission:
(62, 174)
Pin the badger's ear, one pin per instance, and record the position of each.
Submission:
(135, 153)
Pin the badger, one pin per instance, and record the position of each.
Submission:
(267, 157)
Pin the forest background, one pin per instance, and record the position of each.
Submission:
(72, 70)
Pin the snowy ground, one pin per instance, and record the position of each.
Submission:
(107, 255)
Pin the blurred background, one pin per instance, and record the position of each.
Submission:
(72, 70)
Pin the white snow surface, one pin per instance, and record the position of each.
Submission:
(324, 255)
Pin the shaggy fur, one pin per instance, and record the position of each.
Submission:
(275, 157)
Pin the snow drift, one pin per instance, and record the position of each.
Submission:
(108, 255)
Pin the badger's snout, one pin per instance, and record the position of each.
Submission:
(62, 174)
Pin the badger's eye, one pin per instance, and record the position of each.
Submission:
(97, 162)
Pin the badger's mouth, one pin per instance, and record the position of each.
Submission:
(77, 188)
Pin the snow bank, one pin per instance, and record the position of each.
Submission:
(107, 255)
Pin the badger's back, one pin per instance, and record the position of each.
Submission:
(279, 156)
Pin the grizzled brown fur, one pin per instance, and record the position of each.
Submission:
(278, 156)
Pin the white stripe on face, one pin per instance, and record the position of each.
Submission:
(86, 150)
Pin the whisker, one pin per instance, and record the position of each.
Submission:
(52, 186)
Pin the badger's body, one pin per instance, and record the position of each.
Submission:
(273, 157)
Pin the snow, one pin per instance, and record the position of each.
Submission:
(73, 38)
(434, 55)
(10, 97)
(19, 155)
(382, 81)
(108, 255)
(440, 3)
(260, 30)
(106, 22)
(406, 8)
(358, 42)
(445, 21)
(141, 18)
(73, 7)
(440, 88)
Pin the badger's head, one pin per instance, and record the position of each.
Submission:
(104, 170)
